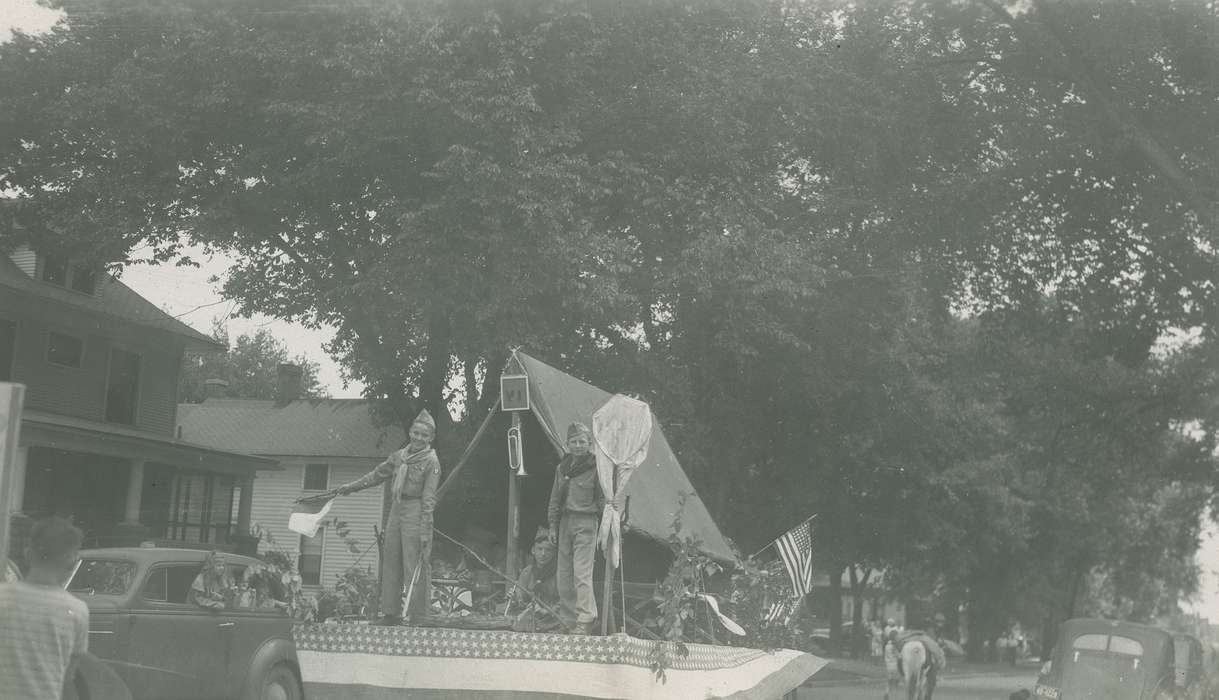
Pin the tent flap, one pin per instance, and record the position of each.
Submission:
(559, 399)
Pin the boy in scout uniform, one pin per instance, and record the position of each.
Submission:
(574, 513)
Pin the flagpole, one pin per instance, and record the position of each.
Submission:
(770, 544)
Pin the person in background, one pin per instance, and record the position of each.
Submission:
(536, 582)
(893, 674)
(12, 574)
(890, 626)
(415, 471)
(213, 585)
(876, 634)
(574, 514)
(43, 628)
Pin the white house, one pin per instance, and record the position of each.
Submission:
(320, 443)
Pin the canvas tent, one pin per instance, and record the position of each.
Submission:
(556, 400)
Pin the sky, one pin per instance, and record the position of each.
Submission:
(187, 294)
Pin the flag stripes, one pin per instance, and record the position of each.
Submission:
(796, 550)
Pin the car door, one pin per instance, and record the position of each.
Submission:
(249, 630)
(178, 651)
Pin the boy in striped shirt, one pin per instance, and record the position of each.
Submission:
(42, 626)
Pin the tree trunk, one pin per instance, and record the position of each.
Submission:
(835, 604)
(858, 588)
(472, 414)
(490, 391)
(436, 371)
(1049, 635)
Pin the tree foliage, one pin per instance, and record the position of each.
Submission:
(249, 368)
(902, 264)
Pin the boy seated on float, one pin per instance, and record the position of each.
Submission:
(536, 589)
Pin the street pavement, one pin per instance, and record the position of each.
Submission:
(969, 687)
(849, 679)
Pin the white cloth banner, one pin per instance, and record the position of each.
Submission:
(307, 524)
(728, 623)
(622, 430)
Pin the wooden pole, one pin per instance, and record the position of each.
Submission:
(11, 397)
(514, 509)
(465, 455)
(607, 591)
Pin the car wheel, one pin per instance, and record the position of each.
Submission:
(280, 683)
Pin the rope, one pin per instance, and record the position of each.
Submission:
(499, 573)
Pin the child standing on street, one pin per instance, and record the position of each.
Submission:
(892, 670)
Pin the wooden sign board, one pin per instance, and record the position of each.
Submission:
(11, 396)
(514, 392)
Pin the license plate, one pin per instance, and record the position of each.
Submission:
(1045, 691)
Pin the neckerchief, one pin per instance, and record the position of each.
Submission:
(573, 466)
(412, 458)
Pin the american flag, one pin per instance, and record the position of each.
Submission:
(796, 550)
(780, 612)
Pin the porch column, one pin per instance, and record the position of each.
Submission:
(244, 504)
(135, 490)
(18, 482)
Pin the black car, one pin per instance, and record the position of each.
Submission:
(164, 647)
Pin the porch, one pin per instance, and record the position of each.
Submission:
(123, 486)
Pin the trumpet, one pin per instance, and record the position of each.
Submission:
(516, 457)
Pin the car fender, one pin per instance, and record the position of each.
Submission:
(272, 651)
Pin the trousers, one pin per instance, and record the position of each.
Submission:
(403, 553)
(577, 550)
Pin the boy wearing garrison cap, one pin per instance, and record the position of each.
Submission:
(415, 473)
(574, 513)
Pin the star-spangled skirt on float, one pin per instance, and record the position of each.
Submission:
(362, 662)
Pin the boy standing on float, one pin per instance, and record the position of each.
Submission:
(573, 514)
(415, 471)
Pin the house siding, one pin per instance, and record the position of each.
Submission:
(26, 259)
(81, 392)
(275, 492)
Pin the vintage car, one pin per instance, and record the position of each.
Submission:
(167, 648)
(1109, 660)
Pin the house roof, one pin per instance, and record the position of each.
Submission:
(658, 485)
(113, 299)
(79, 434)
(304, 428)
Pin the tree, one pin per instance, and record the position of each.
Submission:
(867, 260)
(249, 366)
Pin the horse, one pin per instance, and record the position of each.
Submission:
(920, 665)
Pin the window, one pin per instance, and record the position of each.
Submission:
(317, 477)
(8, 345)
(55, 270)
(200, 508)
(1091, 642)
(155, 588)
(103, 577)
(310, 562)
(64, 350)
(84, 279)
(122, 387)
(59, 271)
(1125, 645)
(170, 584)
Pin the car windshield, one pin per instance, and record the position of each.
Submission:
(103, 577)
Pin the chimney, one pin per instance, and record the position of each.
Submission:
(215, 388)
(289, 387)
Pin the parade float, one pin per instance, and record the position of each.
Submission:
(452, 657)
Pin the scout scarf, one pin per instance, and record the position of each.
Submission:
(420, 458)
(573, 466)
